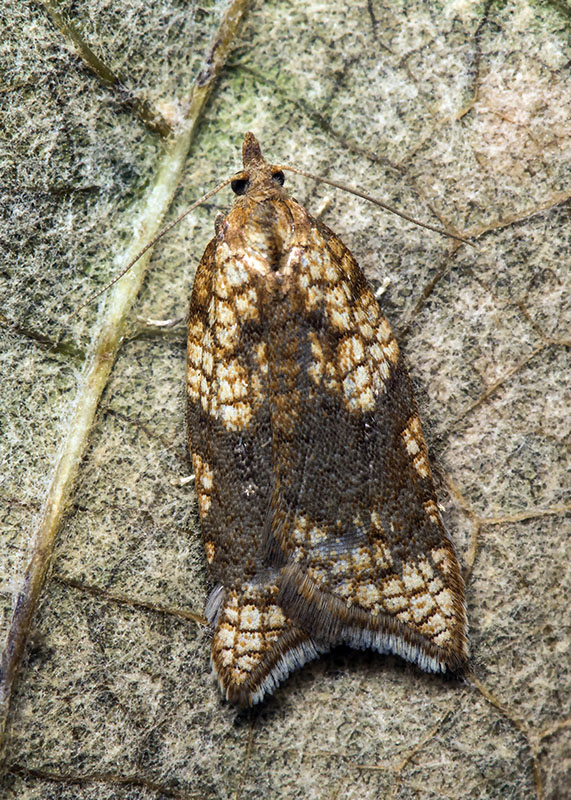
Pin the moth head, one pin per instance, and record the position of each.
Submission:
(257, 177)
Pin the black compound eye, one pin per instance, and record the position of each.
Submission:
(240, 185)
(279, 177)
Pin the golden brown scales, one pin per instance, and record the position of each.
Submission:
(316, 500)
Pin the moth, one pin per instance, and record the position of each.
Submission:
(317, 505)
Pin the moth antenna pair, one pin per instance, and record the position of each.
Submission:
(238, 176)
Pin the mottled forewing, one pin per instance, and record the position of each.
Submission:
(228, 416)
(353, 508)
(254, 644)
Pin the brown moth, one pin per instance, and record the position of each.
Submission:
(318, 511)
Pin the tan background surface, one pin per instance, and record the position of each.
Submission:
(459, 111)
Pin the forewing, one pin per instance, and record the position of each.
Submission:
(255, 645)
(228, 416)
(353, 508)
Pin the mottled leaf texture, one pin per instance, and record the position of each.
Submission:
(318, 511)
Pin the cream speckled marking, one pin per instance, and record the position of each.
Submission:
(338, 308)
(258, 376)
(381, 369)
(366, 331)
(411, 577)
(411, 444)
(235, 270)
(397, 603)
(367, 595)
(231, 610)
(361, 559)
(248, 642)
(317, 366)
(345, 588)
(206, 477)
(350, 354)
(317, 535)
(250, 618)
(210, 551)
(221, 286)
(225, 397)
(385, 334)
(392, 351)
(244, 665)
(297, 554)
(258, 389)
(232, 614)
(392, 587)
(426, 568)
(445, 602)
(312, 298)
(434, 624)
(203, 482)
(247, 304)
(193, 379)
(233, 387)
(362, 377)
(245, 634)
(226, 635)
(371, 307)
(442, 638)
(410, 436)
(261, 353)
(195, 356)
(319, 575)
(385, 373)
(358, 390)
(303, 280)
(432, 510)
(224, 314)
(331, 383)
(299, 529)
(377, 353)
(421, 605)
(204, 504)
(207, 363)
(420, 464)
(382, 555)
(236, 417)
(331, 272)
(195, 329)
(227, 338)
(441, 558)
(415, 447)
(315, 267)
(340, 565)
(194, 352)
(275, 617)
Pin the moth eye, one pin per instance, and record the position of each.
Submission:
(279, 177)
(240, 185)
